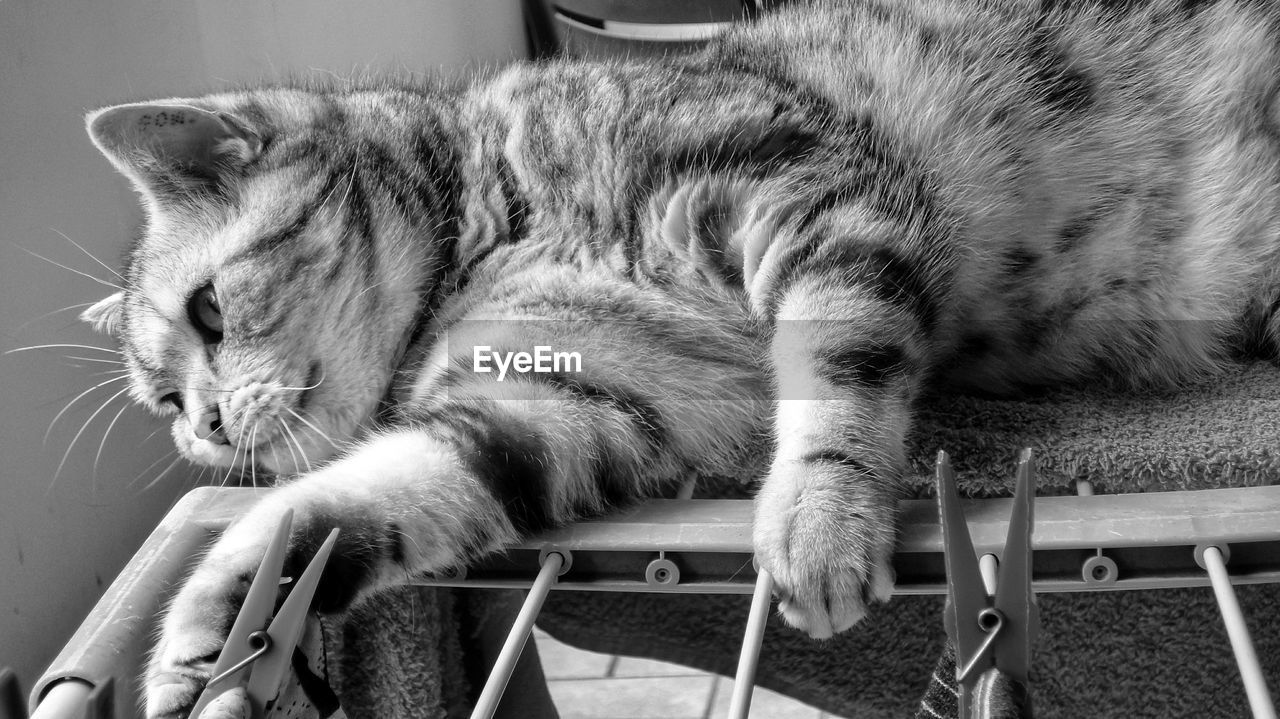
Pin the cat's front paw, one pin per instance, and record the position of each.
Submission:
(827, 537)
(192, 636)
(202, 613)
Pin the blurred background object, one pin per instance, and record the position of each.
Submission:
(614, 28)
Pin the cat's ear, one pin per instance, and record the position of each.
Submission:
(173, 149)
(105, 314)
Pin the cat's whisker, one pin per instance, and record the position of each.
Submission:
(230, 468)
(77, 398)
(99, 280)
(235, 452)
(738, 572)
(62, 345)
(314, 428)
(200, 478)
(307, 389)
(216, 390)
(236, 416)
(234, 469)
(97, 458)
(284, 436)
(95, 359)
(81, 365)
(271, 447)
(253, 455)
(194, 480)
(151, 466)
(36, 319)
(203, 407)
(108, 372)
(160, 476)
(244, 459)
(288, 430)
(58, 472)
(89, 254)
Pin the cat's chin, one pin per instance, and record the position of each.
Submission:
(262, 460)
(210, 454)
(206, 453)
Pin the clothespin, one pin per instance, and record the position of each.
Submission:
(257, 656)
(989, 633)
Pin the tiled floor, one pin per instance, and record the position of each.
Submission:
(586, 685)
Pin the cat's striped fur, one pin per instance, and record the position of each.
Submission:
(830, 210)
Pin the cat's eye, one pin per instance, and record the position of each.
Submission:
(173, 399)
(205, 314)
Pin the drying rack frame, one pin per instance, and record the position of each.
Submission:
(1082, 543)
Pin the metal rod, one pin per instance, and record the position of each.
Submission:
(510, 654)
(1255, 685)
(65, 699)
(744, 681)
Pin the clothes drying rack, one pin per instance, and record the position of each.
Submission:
(1082, 543)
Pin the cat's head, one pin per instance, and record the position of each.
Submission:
(279, 272)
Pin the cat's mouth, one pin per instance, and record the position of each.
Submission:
(244, 465)
(272, 428)
(286, 449)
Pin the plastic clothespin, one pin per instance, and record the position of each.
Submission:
(989, 633)
(265, 651)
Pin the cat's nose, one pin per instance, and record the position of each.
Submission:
(208, 426)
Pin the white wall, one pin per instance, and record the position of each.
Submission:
(62, 542)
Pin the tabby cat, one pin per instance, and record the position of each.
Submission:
(762, 254)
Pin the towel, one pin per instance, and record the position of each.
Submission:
(408, 653)
(1221, 432)
(402, 655)
(413, 652)
(399, 655)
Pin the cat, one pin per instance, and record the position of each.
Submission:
(762, 254)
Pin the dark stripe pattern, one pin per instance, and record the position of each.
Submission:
(894, 277)
(862, 366)
(643, 416)
(509, 458)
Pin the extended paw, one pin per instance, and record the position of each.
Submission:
(177, 699)
(231, 704)
(828, 543)
(202, 613)
(192, 635)
(176, 676)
